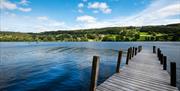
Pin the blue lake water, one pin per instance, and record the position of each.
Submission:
(66, 66)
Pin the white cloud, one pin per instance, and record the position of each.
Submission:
(17, 23)
(25, 9)
(157, 13)
(80, 10)
(7, 5)
(42, 18)
(56, 23)
(160, 12)
(107, 11)
(170, 10)
(80, 5)
(24, 2)
(10, 14)
(102, 6)
(86, 19)
(97, 24)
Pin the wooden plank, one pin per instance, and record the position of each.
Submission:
(125, 84)
(167, 87)
(136, 85)
(143, 73)
(102, 88)
(114, 87)
(146, 80)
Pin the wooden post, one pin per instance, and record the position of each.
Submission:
(154, 49)
(94, 73)
(119, 61)
(173, 74)
(165, 63)
(130, 52)
(127, 57)
(159, 55)
(136, 51)
(162, 58)
(133, 52)
(158, 52)
(138, 48)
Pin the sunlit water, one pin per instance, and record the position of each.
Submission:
(65, 66)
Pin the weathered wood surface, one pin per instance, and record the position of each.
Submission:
(143, 73)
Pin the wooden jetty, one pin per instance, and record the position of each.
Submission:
(144, 72)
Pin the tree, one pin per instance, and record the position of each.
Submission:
(119, 38)
(109, 38)
(137, 36)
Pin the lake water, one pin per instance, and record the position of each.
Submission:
(66, 66)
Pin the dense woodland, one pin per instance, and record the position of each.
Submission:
(146, 33)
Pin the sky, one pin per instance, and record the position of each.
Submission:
(52, 15)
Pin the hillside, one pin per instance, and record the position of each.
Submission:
(169, 32)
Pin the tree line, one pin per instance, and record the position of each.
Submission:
(146, 33)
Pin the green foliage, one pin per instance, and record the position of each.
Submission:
(119, 38)
(147, 33)
(109, 38)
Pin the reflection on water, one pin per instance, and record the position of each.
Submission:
(64, 66)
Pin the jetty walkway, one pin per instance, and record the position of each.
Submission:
(145, 71)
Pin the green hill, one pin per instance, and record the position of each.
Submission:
(169, 32)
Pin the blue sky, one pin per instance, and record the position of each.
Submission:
(52, 15)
